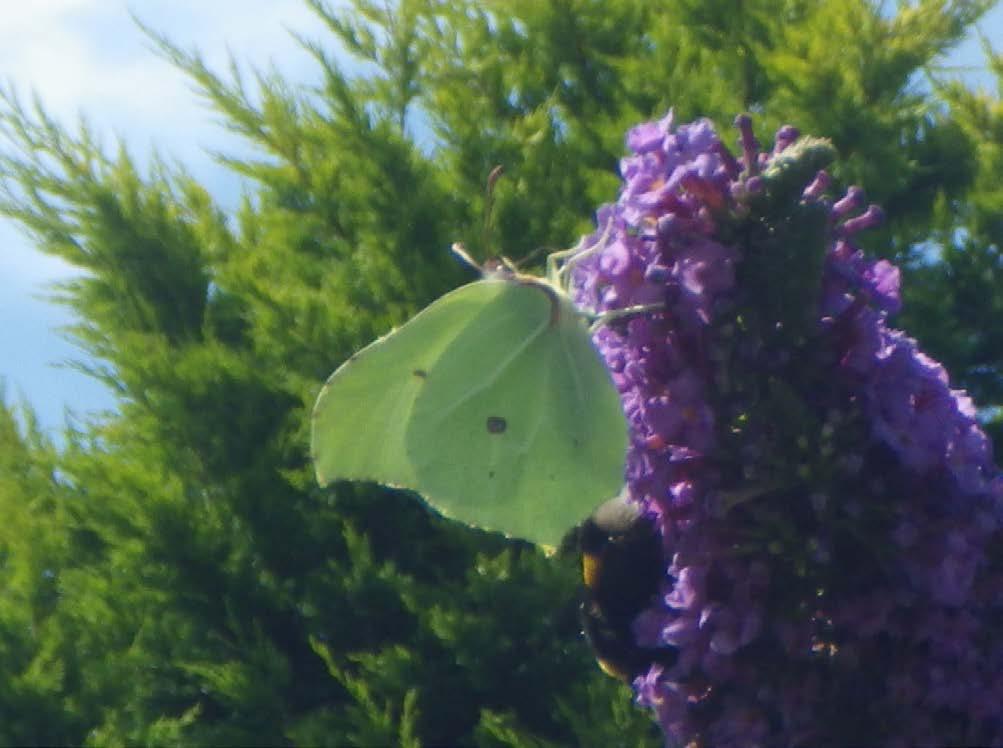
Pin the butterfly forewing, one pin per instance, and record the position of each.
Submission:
(518, 427)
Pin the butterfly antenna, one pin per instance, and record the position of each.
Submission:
(489, 201)
(460, 251)
(528, 258)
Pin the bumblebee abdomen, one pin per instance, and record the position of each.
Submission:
(622, 570)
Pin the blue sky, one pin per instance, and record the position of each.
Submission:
(87, 56)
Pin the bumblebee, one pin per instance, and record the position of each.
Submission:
(622, 569)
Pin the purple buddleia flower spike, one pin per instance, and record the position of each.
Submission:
(853, 200)
(818, 186)
(750, 148)
(786, 135)
(829, 508)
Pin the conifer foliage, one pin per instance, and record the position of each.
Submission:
(171, 574)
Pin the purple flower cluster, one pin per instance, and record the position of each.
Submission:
(830, 510)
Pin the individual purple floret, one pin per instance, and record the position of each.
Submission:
(830, 511)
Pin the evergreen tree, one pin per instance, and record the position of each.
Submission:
(173, 575)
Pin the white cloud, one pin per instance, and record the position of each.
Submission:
(89, 57)
(84, 55)
(28, 16)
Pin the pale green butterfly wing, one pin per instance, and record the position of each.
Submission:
(491, 403)
(362, 412)
(518, 427)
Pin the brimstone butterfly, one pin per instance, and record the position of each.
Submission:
(491, 403)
